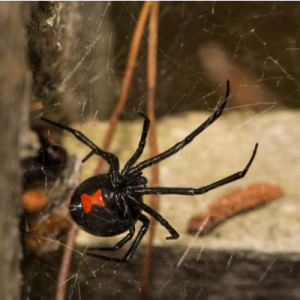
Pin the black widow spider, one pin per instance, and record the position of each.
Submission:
(110, 204)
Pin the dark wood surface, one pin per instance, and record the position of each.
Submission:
(202, 275)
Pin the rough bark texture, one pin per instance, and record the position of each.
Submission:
(15, 82)
(68, 46)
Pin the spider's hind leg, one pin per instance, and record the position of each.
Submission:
(119, 245)
(128, 256)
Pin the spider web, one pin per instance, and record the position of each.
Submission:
(200, 46)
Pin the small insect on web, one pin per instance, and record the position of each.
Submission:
(110, 204)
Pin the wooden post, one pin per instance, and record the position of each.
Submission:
(15, 88)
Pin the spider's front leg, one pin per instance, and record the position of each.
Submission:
(178, 147)
(140, 149)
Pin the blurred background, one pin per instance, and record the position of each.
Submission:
(200, 45)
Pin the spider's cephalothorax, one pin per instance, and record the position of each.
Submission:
(110, 204)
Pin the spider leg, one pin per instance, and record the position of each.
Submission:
(158, 218)
(176, 148)
(202, 190)
(140, 148)
(161, 220)
(128, 256)
(119, 245)
(112, 160)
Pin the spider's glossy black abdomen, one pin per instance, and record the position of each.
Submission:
(93, 207)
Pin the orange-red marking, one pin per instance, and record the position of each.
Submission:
(88, 201)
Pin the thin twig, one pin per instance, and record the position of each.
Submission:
(151, 66)
(135, 46)
(66, 260)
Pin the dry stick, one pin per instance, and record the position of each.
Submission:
(66, 260)
(135, 46)
(151, 65)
